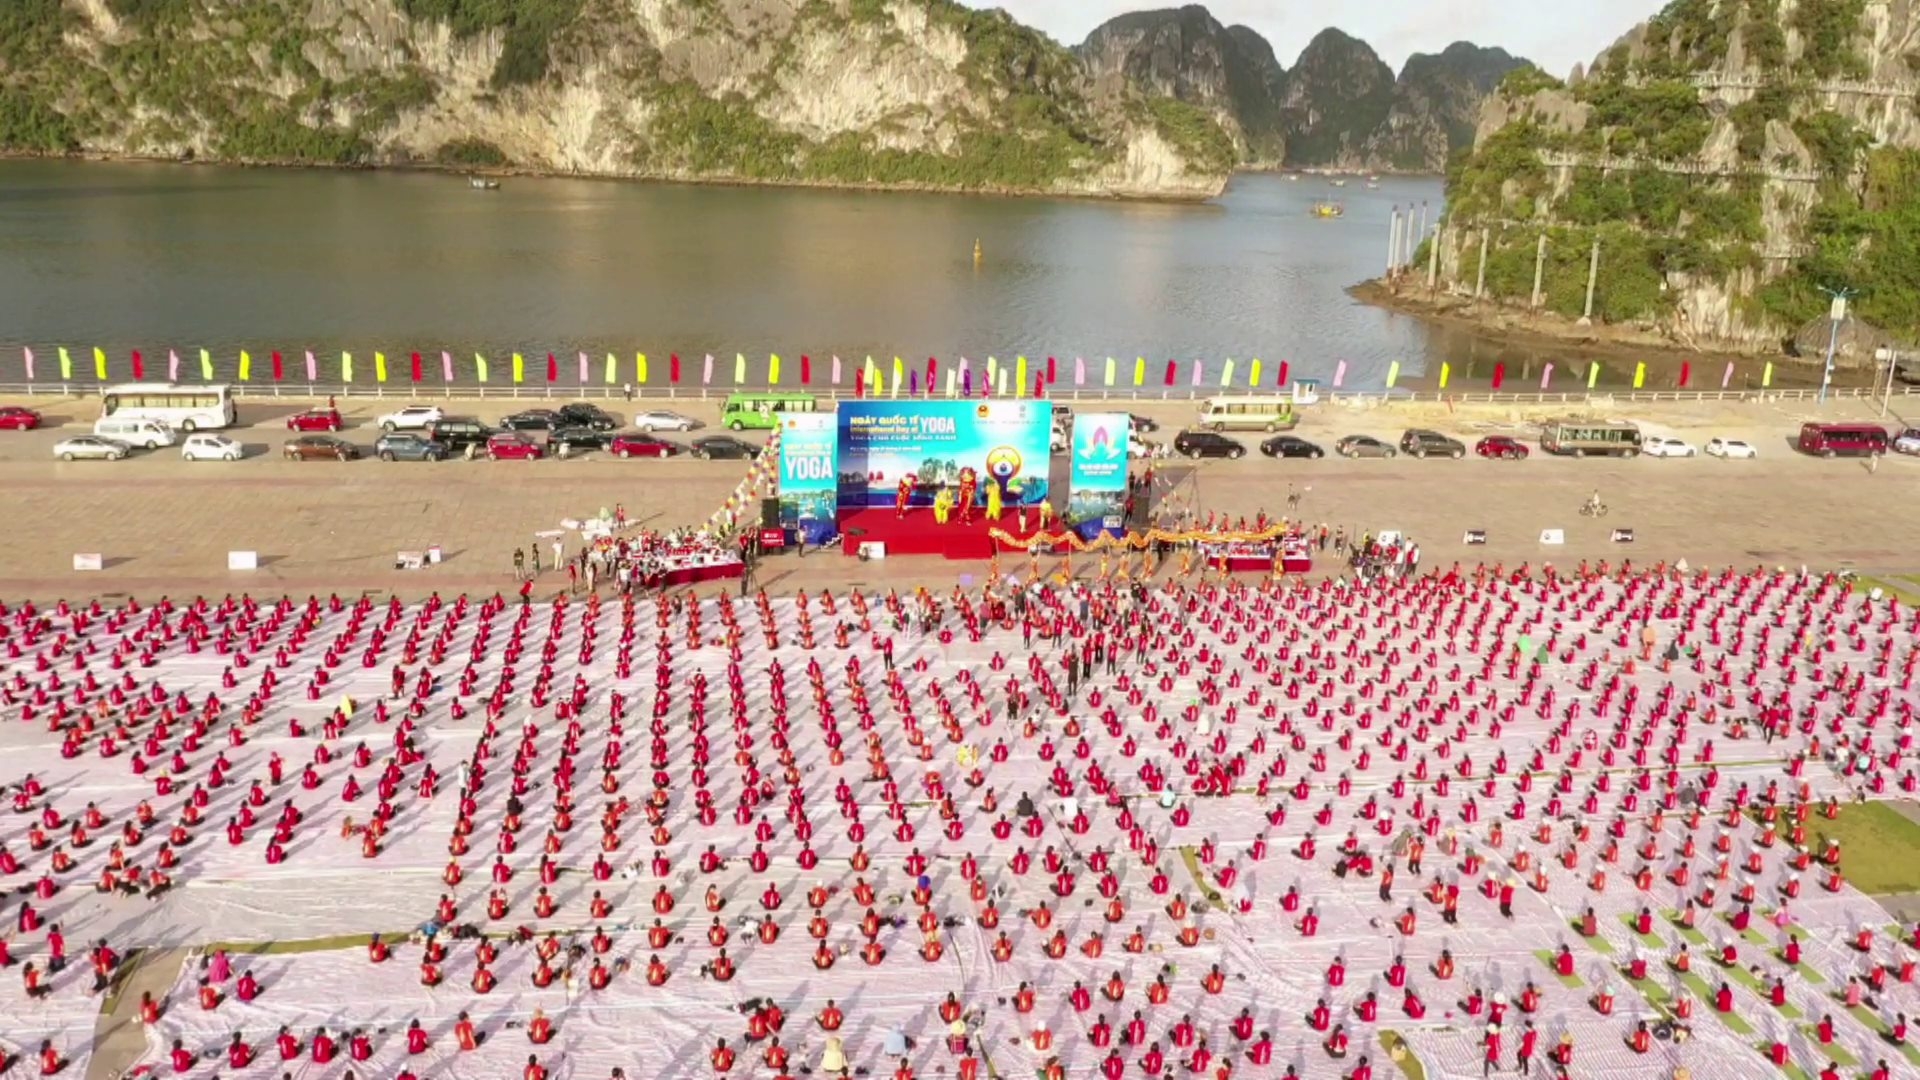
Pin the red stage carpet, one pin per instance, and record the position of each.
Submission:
(919, 534)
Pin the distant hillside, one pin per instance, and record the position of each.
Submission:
(1734, 160)
(907, 93)
(1339, 107)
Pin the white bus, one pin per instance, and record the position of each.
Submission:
(183, 408)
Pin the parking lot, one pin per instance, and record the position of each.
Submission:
(164, 524)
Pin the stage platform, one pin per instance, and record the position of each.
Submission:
(919, 534)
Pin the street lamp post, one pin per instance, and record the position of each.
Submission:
(1891, 357)
(1835, 316)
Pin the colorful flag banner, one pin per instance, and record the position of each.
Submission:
(313, 367)
(279, 366)
(206, 366)
(1253, 374)
(1393, 373)
(1640, 375)
(99, 363)
(446, 366)
(739, 369)
(246, 366)
(1339, 374)
(519, 368)
(613, 369)
(1446, 372)
(773, 369)
(346, 365)
(1079, 371)
(1593, 374)
(640, 367)
(1020, 377)
(1546, 375)
(379, 367)
(66, 365)
(139, 366)
(479, 367)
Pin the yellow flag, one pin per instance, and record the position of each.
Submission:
(66, 364)
(99, 364)
(640, 368)
(246, 366)
(1020, 376)
(613, 369)
(1253, 375)
(1109, 371)
(346, 367)
(773, 370)
(1393, 374)
(739, 369)
(1640, 375)
(899, 374)
(1446, 372)
(206, 366)
(1140, 371)
(519, 368)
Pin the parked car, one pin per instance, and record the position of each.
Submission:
(201, 447)
(587, 415)
(18, 418)
(513, 446)
(571, 440)
(315, 420)
(1359, 446)
(1667, 446)
(1199, 444)
(531, 420)
(1730, 448)
(90, 446)
(724, 446)
(625, 445)
(411, 418)
(459, 433)
(133, 431)
(408, 446)
(1286, 446)
(310, 447)
(1143, 423)
(665, 420)
(1505, 447)
(1421, 443)
(1907, 442)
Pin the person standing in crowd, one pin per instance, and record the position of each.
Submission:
(519, 564)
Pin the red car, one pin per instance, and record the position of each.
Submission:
(315, 420)
(626, 446)
(513, 446)
(15, 418)
(1500, 446)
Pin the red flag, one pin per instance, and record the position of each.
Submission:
(1282, 381)
(806, 369)
(674, 364)
(553, 369)
(1686, 373)
(1499, 374)
(859, 382)
(1171, 366)
(416, 367)
(1052, 370)
(139, 368)
(933, 370)
(279, 369)
(1039, 385)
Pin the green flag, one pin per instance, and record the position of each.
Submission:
(206, 366)
(480, 367)
(66, 364)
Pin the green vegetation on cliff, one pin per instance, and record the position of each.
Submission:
(685, 88)
(1709, 151)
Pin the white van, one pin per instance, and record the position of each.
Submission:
(1265, 412)
(147, 433)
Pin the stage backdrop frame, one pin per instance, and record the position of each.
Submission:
(1005, 441)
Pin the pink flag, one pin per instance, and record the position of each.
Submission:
(1340, 374)
(836, 371)
(707, 378)
(29, 353)
(1546, 374)
(173, 366)
(583, 369)
(446, 365)
(1197, 365)
(1727, 379)
(1079, 371)
(313, 367)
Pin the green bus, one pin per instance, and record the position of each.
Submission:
(763, 410)
(1579, 438)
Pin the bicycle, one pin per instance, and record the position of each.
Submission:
(1593, 510)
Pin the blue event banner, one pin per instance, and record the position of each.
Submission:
(1097, 487)
(1004, 442)
(809, 475)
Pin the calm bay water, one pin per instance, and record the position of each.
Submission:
(152, 257)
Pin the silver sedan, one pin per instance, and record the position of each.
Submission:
(664, 420)
(90, 446)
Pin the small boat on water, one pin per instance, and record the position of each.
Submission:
(481, 183)
(1328, 210)
(1340, 182)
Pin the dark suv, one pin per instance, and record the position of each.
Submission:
(457, 433)
(582, 414)
(574, 439)
(1423, 443)
(1199, 444)
(408, 446)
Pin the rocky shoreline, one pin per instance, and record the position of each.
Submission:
(1513, 326)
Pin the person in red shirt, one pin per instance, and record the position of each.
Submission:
(534, 1070)
(722, 1056)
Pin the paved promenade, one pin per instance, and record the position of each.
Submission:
(165, 525)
